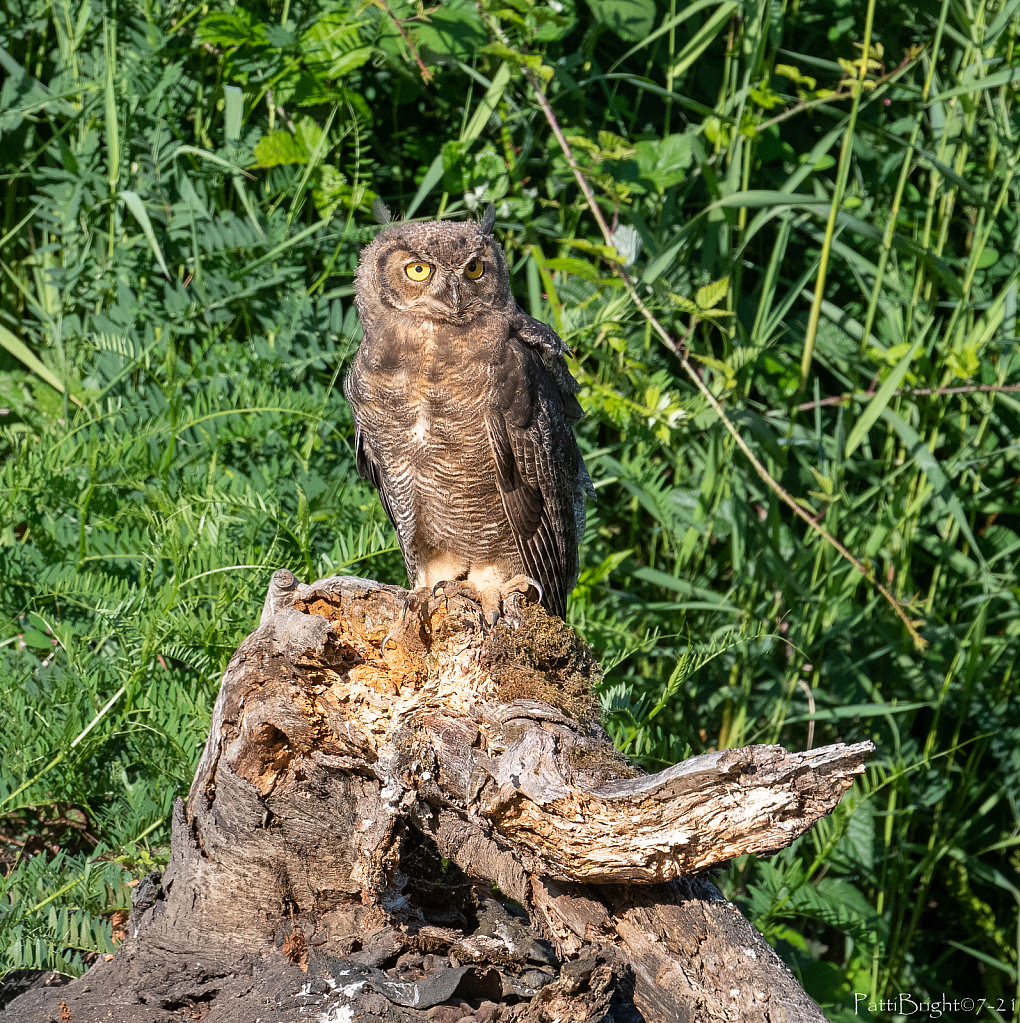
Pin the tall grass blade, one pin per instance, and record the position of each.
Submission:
(134, 203)
(877, 405)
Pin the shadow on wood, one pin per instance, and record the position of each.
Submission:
(401, 816)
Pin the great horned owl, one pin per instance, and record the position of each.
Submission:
(463, 406)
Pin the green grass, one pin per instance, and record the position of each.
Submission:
(186, 192)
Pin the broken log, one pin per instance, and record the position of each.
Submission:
(401, 815)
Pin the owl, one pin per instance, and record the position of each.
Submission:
(464, 407)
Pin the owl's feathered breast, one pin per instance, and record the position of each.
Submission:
(419, 405)
(403, 376)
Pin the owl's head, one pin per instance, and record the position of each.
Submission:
(441, 270)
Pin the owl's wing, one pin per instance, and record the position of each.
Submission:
(539, 470)
(543, 339)
(368, 469)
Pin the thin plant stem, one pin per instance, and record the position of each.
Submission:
(890, 228)
(426, 74)
(913, 392)
(669, 65)
(842, 173)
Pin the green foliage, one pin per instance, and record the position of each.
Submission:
(188, 188)
(629, 19)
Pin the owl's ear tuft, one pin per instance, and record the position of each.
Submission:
(488, 219)
(381, 212)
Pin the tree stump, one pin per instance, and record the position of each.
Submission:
(400, 815)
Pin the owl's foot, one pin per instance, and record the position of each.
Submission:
(514, 590)
(447, 588)
(496, 598)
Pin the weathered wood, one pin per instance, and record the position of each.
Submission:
(375, 764)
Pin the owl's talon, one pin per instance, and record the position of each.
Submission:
(522, 584)
(447, 588)
(412, 602)
(440, 596)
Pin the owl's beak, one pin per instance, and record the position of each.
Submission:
(455, 292)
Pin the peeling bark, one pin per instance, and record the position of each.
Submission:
(443, 831)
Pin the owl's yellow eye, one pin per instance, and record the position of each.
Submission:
(418, 271)
(475, 269)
